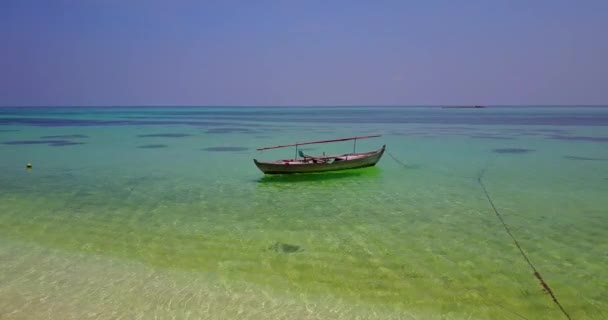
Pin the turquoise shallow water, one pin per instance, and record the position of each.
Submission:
(160, 212)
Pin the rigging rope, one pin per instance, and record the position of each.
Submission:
(543, 283)
(537, 274)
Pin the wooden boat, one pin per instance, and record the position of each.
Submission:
(309, 164)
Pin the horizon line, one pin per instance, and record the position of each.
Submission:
(303, 106)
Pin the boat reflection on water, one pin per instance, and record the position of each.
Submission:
(320, 176)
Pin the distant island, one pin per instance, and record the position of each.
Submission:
(463, 107)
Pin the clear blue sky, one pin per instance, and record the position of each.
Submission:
(326, 52)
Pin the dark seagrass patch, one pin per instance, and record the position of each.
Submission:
(164, 135)
(512, 150)
(225, 149)
(152, 146)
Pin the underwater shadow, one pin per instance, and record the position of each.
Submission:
(319, 176)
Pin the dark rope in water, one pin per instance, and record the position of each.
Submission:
(397, 160)
(544, 284)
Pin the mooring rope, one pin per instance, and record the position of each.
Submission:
(537, 274)
(397, 160)
(410, 166)
(543, 283)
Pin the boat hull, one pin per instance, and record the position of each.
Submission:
(359, 160)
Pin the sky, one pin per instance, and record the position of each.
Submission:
(307, 52)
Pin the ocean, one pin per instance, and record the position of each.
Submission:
(160, 213)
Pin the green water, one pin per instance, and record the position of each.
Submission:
(107, 229)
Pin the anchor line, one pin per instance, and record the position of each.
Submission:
(397, 160)
(491, 302)
(537, 274)
(406, 166)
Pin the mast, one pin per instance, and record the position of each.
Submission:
(321, 141)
